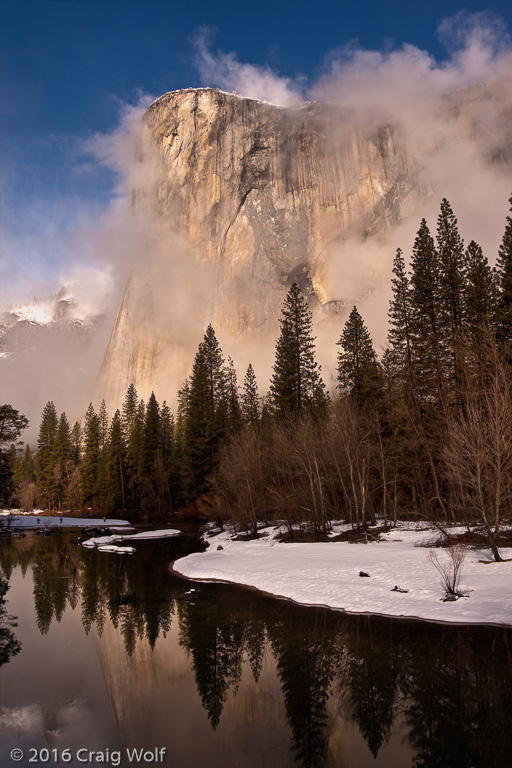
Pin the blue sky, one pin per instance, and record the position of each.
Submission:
(68, 66)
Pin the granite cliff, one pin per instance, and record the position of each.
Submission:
(247, 197)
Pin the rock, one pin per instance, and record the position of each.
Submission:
(220, 547)
(363, 573)
(259, 197)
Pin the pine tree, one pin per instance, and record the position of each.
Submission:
(451, 263)
(215, 371)
(480, 294)
(170, 465)
(116, 465)
(400, 314)
(451, 271)
(62, 460)
(132, 434)
(504, 279)
(90, 466)
(250, 401)
(45, 456)
(296, 386)
(129, 417)
(23, 480)
(358, 369)
(12, 424)
(426, 310)
(28, 469)
(103, 424)
(180, 443)
(234, 412)
(150, 453)
(76, 442)
(207, 411)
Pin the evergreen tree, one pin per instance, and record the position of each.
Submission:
(170, 464)
(76, 442)
(451, 271)
(103, 424)
(150, 454)
(215, 371)
(426, 310)
(116, 465)
(8, 460)
(28, 468)
(207, 412)
(480, 293)
(296, 386)
(62, 460)
(12, 424)
(451, 262)
(234, 412)
(45, 458)
(504, 279)
(250, 400)
(358, 369)
(400, 314)
(132, 421)
(23, 479)
(90, 467)
(129, 417)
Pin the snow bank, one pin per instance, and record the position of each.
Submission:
(40, 521)
(117, 550)
(102, 542)
(327, 574)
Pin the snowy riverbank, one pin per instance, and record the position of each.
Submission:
(38, 520)
(109, 543)
(327, 574)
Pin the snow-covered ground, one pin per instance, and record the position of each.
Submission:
(109, 543)
(327, 574)
(40, 521)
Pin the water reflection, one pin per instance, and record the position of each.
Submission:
(442, 691)
(9, 645)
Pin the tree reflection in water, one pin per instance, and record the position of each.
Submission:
(9, 646)
(446, 688)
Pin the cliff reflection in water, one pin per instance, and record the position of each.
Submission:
(444, 691)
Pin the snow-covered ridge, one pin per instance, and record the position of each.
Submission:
(207, 89)
(45, 312)
(401, 581)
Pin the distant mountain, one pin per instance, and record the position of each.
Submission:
(28, 326)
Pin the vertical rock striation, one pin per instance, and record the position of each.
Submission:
(249, 197)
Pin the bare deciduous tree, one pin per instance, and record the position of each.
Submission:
(450, 569)
(478, 452)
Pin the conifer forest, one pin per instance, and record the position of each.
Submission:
(423, 429)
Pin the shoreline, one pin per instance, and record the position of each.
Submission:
(309, 574)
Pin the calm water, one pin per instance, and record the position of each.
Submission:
(112, 659)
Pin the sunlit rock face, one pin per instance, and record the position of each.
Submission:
(257, 197)
(252, 185)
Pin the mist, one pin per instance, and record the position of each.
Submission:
(63, 269)
(454, 116)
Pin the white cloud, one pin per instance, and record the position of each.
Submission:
(227, 73)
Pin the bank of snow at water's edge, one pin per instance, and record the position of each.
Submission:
(327, 574)
(108, 543)
(40, 520)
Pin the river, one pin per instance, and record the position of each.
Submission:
(114, 653)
